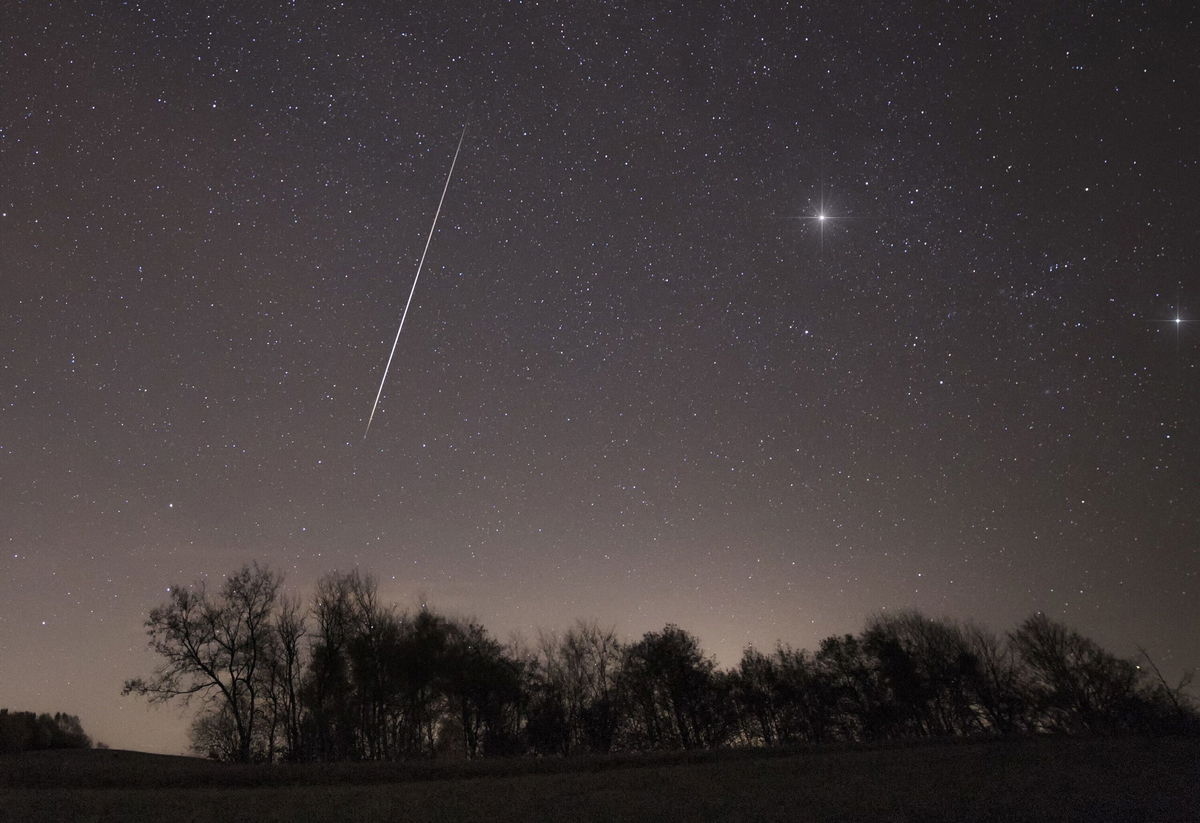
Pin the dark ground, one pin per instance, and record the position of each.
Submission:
(1126, 779)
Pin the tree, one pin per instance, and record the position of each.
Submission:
(214, 734)
(856, 697)
(326, 691)
(418, 667)
(1075, 685)
(215, 647)
(282, 678)
(383, 684)
(926, 665)
(756, 688)
(370, 681)
(1166, 707)
(997, 682)
(574, 679)
(672, 692)
(483, 686)
(26, 731)
(807, 697)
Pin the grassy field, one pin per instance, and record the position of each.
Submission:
(1025, 780)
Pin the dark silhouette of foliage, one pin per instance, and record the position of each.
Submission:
(352, 678)
(26, 731)
(927, 667)
(1073, 684)
(670, 689)
(996, 683)
(573, 691)
(781, 698)
(483, 688)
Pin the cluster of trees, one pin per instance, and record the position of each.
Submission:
(26, 731)
(349, 677)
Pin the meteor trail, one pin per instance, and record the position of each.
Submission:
(413, 290)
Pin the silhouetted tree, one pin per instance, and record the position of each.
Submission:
(384, 685)
(214, 734)
(326, 689)
(997, 683)
(807, 695)
(927, 666)
(574, 690)
(215, 647)
(421, 671)
(375, 632)
(671, 691)
(368, 681)
(855, 697)
(1074, 685)
(26, 731)
(483, 687)
(282, 680)
(1168, 708)
(757, 690)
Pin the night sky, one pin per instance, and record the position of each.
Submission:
(640, 380)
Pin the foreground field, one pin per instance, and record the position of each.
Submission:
(1028, 780)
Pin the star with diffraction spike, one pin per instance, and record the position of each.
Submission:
(823, 217)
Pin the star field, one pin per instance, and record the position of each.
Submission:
(639, 381)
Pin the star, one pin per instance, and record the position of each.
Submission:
(1178, 322)
(822, 219)
(822, 216)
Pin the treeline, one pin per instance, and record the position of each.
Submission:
(26, 731)
(349, 677)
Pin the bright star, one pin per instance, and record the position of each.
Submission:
(1178, 321)
(824, 216)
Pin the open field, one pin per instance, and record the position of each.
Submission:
(1024, 780)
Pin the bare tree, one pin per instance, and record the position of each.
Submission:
(214, 735)
(282, 679)
(756, 687)
(997, 682)
(926, 664)
(1182, 706)
(576, 676)
(328, 691)
(214, 646)
(1075, 684)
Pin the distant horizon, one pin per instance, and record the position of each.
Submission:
(171, 720)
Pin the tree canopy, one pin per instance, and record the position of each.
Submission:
(349, 677)
(27, 731)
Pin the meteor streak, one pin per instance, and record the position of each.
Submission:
(413, 290)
